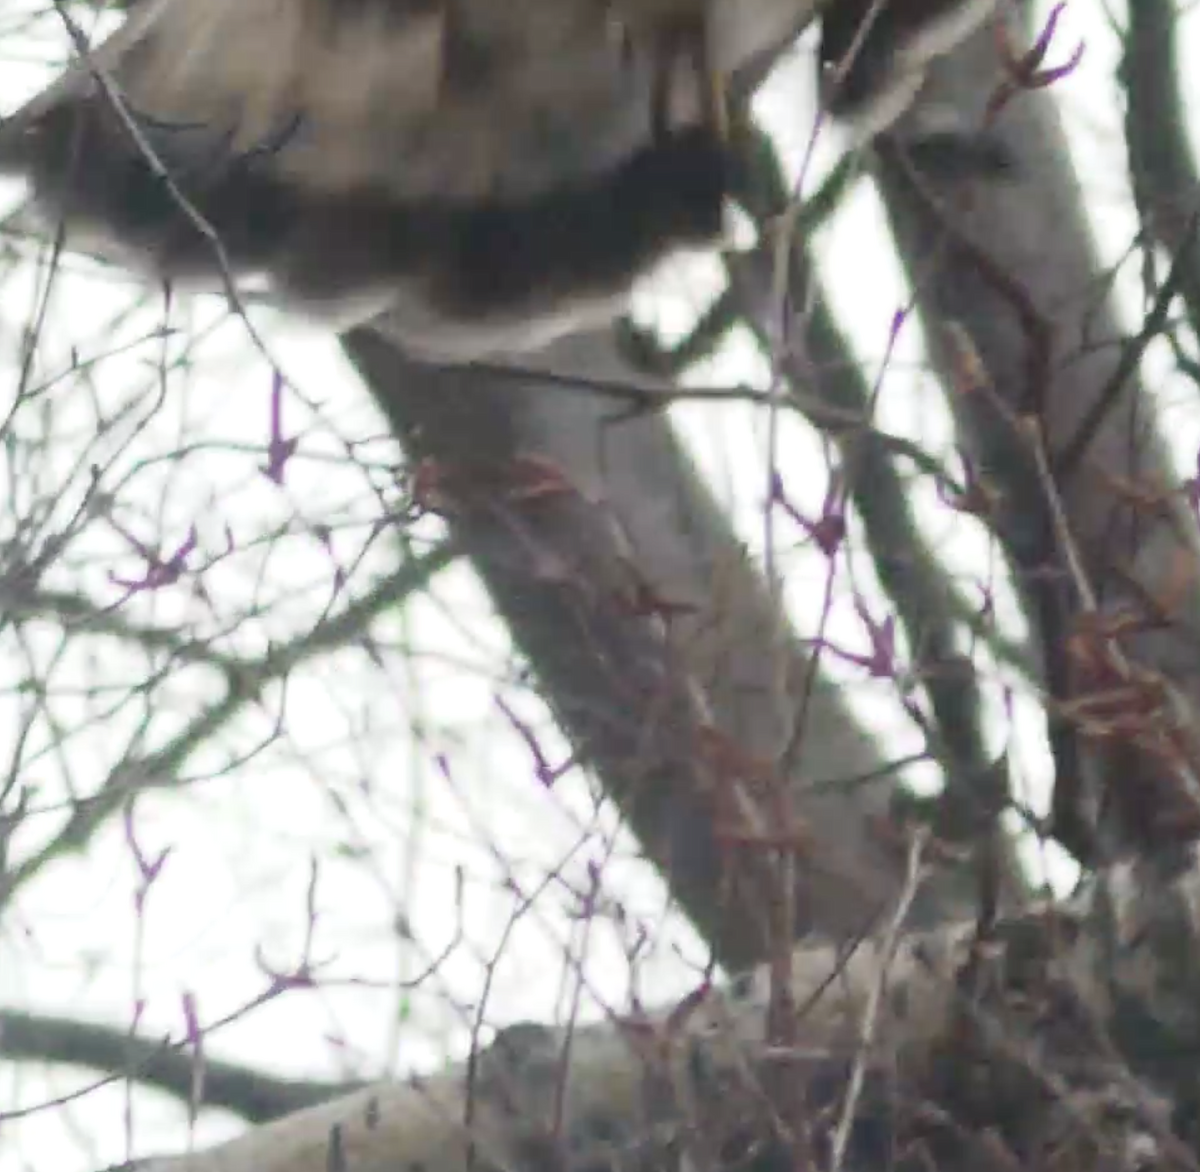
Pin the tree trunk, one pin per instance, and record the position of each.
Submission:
(992, 227)
(681, 716)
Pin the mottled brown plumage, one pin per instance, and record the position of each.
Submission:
(472, 175)
(484, 176)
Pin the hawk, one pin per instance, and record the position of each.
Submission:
(472, 176)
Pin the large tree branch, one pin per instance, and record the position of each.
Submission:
(992, 227)
(1063, 1039)
(682, 719)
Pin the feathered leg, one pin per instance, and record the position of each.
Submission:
(874, 53)
(683, 41)
(677, 36)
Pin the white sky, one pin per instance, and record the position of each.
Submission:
(354, 779)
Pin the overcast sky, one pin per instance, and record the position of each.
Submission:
(396, 776)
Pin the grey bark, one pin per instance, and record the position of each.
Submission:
(1161, 162)
(1059, 1040)
(992, 226)
(681, 719)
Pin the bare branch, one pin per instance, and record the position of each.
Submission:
(254, 1095)
(1166, 185)
(245, 684)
